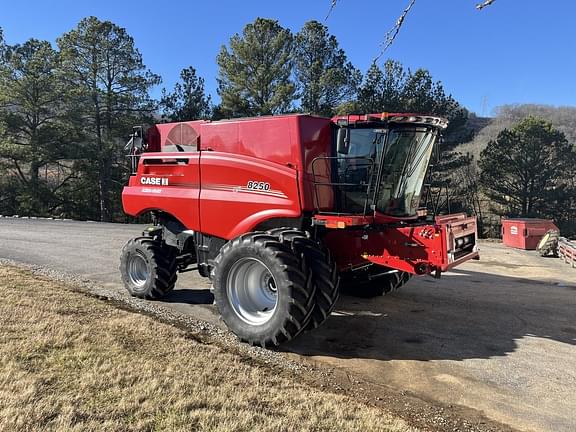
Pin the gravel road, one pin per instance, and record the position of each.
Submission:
(497, 336)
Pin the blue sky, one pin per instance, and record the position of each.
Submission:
(512, 52)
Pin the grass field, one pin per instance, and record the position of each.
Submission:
(71, 362)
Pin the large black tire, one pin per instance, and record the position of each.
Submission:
(263, 289)
(362, 286)
(148, 268)
(324, 271)
(548, 245)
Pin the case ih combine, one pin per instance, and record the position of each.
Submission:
(276, 211)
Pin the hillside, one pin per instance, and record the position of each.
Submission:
(486, 129)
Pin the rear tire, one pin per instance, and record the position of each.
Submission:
(148, 268)
(263, 289)
(324, 271)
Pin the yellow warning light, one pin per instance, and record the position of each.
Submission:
(341, 224)
(384, 116)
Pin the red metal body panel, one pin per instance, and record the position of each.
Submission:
(267, 138)
(315, 140)
(525, 233)
(291, 140)
(229, 208)
(179, 197)
(278, 150)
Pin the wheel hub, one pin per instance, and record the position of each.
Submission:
(252, 291)
(137, 270)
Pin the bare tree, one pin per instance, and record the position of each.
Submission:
(468, 178)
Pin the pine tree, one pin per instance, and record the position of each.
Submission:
(325, 77)
(255, 71)
(527, 170)
(383, 89)
(35, 135)
(187, 101)
(111, 85)
(3, 47)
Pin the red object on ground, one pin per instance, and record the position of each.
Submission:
(525, 233)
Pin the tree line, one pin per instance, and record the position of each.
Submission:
(64, 115)
(66, 110)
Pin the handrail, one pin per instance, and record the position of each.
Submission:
(369, 164)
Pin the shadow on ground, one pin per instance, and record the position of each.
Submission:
(465, 315)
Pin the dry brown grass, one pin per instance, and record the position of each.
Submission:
(70, 362)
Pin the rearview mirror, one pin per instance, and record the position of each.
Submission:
(343, 141)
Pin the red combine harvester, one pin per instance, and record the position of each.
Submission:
(276, 211)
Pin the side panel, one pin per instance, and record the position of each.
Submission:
(168, 182)
(267, 138)
(239, 192)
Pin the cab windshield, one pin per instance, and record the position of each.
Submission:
(385, 168)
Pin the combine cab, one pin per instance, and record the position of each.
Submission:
(280, 211)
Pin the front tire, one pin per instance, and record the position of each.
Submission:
(263, 289)
(148, 268)
(364, 287)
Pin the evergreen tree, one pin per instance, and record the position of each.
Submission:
(527, 170)
(111, 85)
(255, 71)
(33, 136)
(325, 77)
(3, 47)
(393, 89)
(188, 100)
(383, 89)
